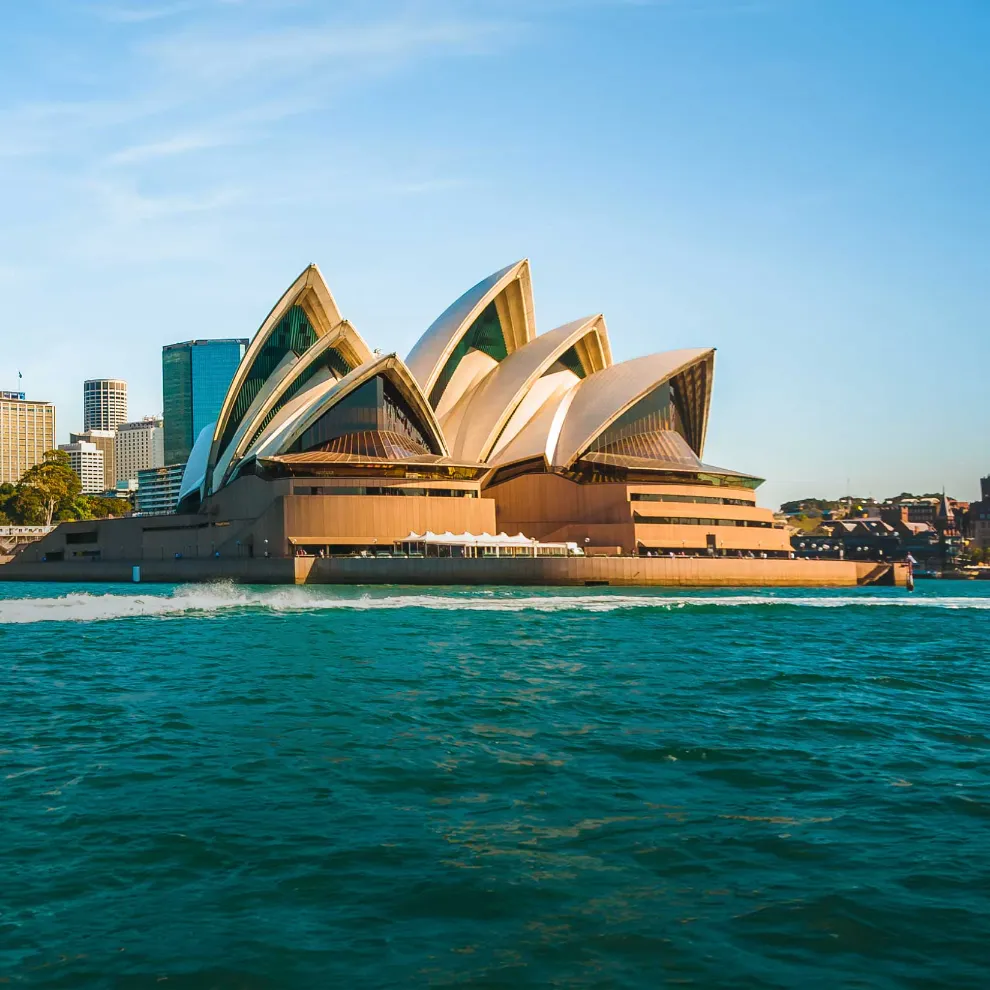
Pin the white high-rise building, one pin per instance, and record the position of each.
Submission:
(86, 459)
(105, 440)
(139, 446)
(104, 403)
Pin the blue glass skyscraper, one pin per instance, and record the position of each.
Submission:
(195, 377)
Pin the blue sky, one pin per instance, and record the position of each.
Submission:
(801, 183)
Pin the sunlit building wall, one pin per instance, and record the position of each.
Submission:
(27, 431)
(105, 441)
(86, 459)
(139, 446)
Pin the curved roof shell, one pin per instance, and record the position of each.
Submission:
(510, 291)
(601, 399)
(538, 436)
(304, 410)
(194, 473)
(311, 294)
(334, 355)
(481, 418)
(480, 388)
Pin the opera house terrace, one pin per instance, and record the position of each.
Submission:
(325, 449)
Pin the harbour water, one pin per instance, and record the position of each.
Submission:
(256, 788)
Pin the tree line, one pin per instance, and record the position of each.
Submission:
(51, 491)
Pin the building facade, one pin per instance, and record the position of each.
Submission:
(195, 377)
(27, 432)
(104, 403)
(485, 424)
(158, 489)
(105, 441)
(86, 459)
(978, 518)
(139, 446)
(321, 445)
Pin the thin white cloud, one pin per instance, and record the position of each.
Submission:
(227, 74)
(141, 15)
(208, 85)
(17, 276)
(421, 187)
(221, 57)
(125, 205)
(323, 189)
(38, 128)
(181, 144)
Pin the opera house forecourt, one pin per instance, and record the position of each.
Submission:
(491, 454)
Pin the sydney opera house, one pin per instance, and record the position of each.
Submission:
(325, 446)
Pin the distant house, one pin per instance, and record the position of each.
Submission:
(873, 539)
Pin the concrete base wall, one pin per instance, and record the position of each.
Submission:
(697, 572)
(685, 572)
(275, 570)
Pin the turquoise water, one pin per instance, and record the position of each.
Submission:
(255, 788)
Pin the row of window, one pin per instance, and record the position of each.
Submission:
(712, 552)
(693, 499)
(84, 537)
(688, 521)
(369, 490)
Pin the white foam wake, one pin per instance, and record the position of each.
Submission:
(212, 599)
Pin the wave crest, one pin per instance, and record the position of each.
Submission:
(223, 597)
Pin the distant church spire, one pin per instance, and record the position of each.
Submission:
(945, 512)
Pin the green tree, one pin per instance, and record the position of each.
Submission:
(84, 507)
(7, 504)
(109, 508)
(74, 511)
(46, 488)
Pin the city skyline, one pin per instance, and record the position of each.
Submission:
(798, 184)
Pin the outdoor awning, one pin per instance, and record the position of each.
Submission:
(470, 540)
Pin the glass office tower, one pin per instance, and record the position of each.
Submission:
(195, 377)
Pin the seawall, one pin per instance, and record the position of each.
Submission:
(259, 570)
(697, 572)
